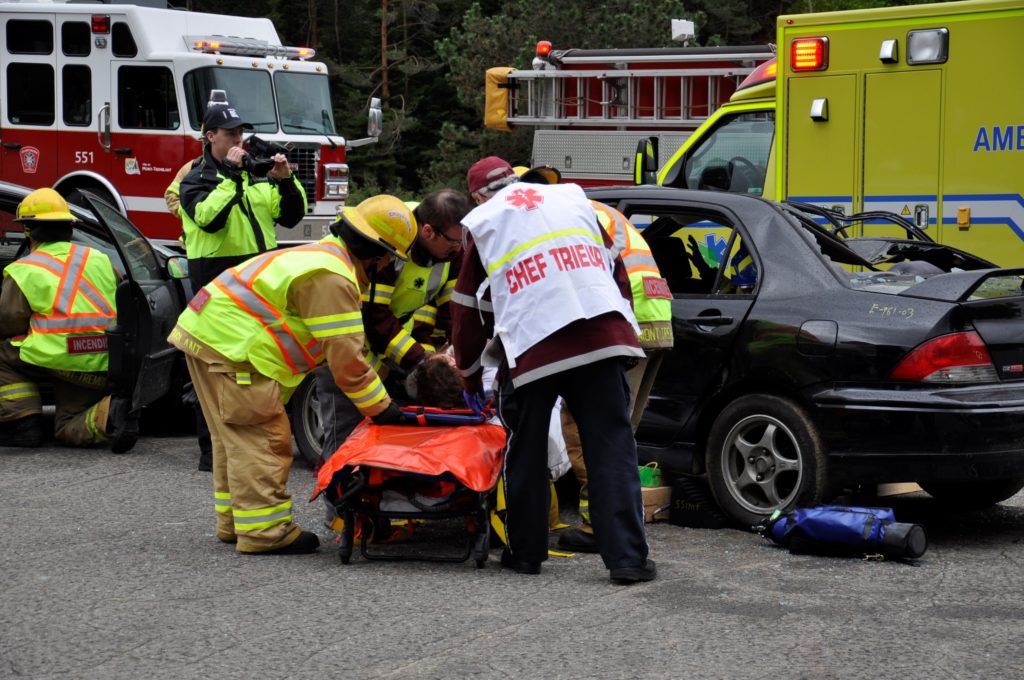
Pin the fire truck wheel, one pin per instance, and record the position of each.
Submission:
(305, 420)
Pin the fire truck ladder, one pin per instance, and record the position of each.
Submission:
(679, 90)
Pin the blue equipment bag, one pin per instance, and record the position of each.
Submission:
(846, 531)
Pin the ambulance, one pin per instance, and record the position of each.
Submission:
(917, 110)
(109, 99)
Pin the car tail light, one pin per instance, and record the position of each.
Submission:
(809, 54)
(954, 358)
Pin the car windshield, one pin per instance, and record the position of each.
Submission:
(248, 91)
(305, 103)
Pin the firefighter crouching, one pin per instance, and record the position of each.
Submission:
(55, 306)
(252, 335)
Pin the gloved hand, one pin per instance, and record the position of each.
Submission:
(392, 415)
(704, 270)
(476, 401)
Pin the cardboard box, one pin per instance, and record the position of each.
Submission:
(657, 500)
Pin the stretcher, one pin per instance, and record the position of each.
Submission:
(439, 464)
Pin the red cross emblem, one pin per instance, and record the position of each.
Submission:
(525, 198)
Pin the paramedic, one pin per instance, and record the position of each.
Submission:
(553, 341)
(227, 214)
(55, 306)
(407, 305)
(252, 335)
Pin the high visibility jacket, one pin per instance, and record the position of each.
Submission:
(71, 290)
(546, 263)
(652, 300)
(418, 291)
(222, 217)
(243, 314)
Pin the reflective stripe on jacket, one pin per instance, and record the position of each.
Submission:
(244, 314)
(652, 301)
(71, 290)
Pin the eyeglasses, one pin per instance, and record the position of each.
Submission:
(446, 237)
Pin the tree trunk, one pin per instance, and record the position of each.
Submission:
(384, 93)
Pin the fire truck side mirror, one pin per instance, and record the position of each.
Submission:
(645, 166)
(374, 119)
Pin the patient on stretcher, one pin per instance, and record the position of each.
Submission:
(436, 382)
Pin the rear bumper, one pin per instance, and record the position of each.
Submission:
(929, 434)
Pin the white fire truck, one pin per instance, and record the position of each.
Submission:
(590, 107)
(110, 98)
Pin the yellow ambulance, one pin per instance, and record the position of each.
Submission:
(917, 110)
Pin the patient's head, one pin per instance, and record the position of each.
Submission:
(436, 382)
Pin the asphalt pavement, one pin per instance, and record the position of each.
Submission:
(110, 569)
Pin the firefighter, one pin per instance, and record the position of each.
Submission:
(404, 309)
(538, 272)
(55, 306)
(227, 214)
(251, 336)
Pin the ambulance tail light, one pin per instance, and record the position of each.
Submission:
(335, 181)
(762, 74)
(929, 46)
(953, 358)
(809, 54)
(100, 23)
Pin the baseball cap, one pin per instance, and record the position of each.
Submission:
(223, 116)
(489, 174)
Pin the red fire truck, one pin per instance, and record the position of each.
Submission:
(591, 107)
(110, 98)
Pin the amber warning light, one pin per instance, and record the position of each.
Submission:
(543, 48)
(809, 54)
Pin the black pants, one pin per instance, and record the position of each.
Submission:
(598, 397)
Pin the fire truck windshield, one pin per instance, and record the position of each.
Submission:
(304, 102)
(250, 92)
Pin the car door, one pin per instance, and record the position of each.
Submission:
(710, 302)
(148, 304)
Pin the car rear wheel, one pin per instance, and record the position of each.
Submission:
(307, 427)
(764, 454)
(974, 494)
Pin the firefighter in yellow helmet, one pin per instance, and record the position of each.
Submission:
(55, 306)
(252, 334)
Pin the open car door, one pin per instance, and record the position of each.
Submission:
(141, 360)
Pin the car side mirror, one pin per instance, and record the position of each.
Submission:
(645, 164)
(177, 267)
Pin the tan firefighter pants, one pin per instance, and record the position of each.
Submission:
(641, 380)
(82, 399)
(252, 455)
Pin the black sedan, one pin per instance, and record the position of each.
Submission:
(814, 354)
(149, 299)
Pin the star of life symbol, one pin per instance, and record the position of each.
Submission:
(525, 198)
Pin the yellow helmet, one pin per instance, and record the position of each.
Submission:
(542, 174)
(519, 170)
(386, 221)
(45, 205)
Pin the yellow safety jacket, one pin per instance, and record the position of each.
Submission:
(244, 315)
(652, 300)
(71, 290)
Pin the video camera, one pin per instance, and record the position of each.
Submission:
(259, 160)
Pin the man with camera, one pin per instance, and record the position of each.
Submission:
(231, 200)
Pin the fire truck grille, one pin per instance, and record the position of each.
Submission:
(303, 160)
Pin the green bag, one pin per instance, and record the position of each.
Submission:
(650, 475)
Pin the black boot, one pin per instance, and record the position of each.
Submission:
(306, 543)
(26, 432)
(122, 425)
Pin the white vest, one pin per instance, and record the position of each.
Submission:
(547, 265)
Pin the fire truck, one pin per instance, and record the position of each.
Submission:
(591, 106)
(915, 110)
(109, 98)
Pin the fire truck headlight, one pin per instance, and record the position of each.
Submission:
(335, 181)
(930, 46)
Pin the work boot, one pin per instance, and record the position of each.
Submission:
(306, 543)
(518, 566)
(577, 540)
(25, 432)
(624, 576)
(122, 425)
